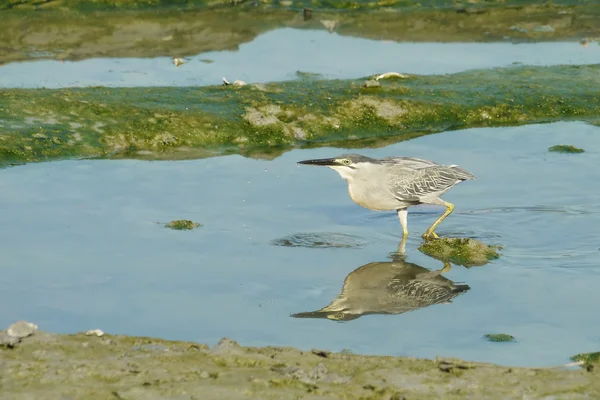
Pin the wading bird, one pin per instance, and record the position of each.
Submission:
(396, 183)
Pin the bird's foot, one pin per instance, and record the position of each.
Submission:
(430, 235)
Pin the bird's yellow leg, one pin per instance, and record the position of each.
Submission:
(447, 267)
(429, 233)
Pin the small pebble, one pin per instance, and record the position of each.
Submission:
(321, 353)
(371, 84)
(204, 375)
(8, 341)
(21, 329)
(234, 83)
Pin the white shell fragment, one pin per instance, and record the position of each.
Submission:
(21, 329)
(390, 75)
(235, 83)
(329, 24)
(94, 332)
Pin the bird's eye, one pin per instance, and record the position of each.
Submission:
(346, 162)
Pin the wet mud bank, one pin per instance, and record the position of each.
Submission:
(83, 29)
(265, 120)
(96, 365)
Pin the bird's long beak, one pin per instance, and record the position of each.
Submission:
(319, 161)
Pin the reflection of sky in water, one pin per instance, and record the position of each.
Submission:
(81, 248)
(277, 55)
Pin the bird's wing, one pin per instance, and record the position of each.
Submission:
(409, 184)
(409, 162)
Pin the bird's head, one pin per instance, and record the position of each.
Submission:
(347, 165)
(339, 316)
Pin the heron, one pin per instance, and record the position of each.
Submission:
(389, 287)
(396, 183)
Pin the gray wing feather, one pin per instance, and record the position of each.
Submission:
(410, 184)
(408, 162)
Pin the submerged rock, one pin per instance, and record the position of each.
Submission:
(183, 225)
(466, 252)
(319, 240)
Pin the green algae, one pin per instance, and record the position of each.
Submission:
(563, 148)
(76, 30)
(268, 119)
(183, 225)
(466, 252)
(587, 358)
(499, 337)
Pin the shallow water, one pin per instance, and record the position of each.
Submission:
(277, 55)
(83, 248)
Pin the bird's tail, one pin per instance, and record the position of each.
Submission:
(462, 174)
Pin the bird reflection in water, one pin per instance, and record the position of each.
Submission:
(389, 287)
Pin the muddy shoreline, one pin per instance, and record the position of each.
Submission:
(85, 365)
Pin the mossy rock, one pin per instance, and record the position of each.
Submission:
(183, 225)
(466, 252)
(564, 148)
(499, 337)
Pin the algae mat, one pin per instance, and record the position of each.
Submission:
(266, 120)
(124, 367)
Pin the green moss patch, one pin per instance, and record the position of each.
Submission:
(587, 358)
(499, 337)
(467, 252)
(563, 148)
(183, 225)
